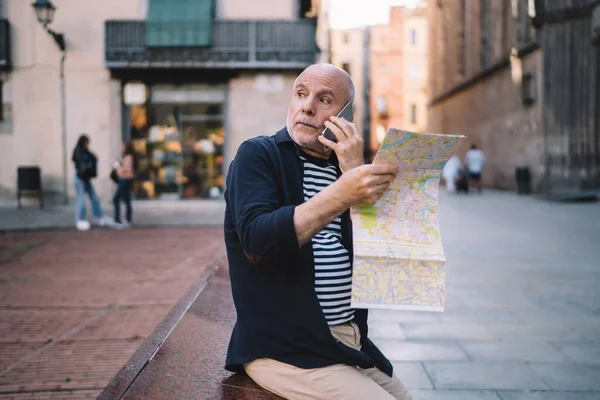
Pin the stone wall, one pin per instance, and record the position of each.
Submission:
(491, 114)
(476, 91)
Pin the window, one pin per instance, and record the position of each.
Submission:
(413, 73)
(521, 13)
(486, 33)
(346, 67)
(413, 113)
(381, 106)
(413, 37)
(462, 44)
(1, 101)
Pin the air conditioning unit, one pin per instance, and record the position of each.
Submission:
(596, 25)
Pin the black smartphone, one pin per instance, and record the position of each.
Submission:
(347, 113)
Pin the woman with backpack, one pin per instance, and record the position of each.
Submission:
(85, 170)
(125, 171)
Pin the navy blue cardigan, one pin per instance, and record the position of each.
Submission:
(272, 279)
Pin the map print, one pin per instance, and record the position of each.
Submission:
(399, 261)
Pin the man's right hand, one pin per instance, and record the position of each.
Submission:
(359, 185)
(367, 183)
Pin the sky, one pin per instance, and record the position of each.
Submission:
(346, 14)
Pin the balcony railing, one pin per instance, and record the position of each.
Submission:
(5, 62)
(236, 44)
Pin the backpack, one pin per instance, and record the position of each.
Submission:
(87, 165)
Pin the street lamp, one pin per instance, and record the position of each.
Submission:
(44, 10)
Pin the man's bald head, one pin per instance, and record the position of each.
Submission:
(320, 92)
(336, 73)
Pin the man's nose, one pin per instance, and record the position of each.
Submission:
(308, 107)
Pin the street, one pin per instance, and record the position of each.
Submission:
(522, 319)
(522, 305)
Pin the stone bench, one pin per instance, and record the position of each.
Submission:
(184, 357)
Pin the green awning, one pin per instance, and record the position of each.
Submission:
(179, 23)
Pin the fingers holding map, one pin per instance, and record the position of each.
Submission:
(399, 261)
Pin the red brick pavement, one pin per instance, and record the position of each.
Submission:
(75, 306)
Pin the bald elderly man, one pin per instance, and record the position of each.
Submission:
(289, 243)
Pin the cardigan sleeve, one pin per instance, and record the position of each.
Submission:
(264, 226)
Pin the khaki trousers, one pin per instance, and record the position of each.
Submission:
(343, 382)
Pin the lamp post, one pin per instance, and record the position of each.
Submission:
(44, 10)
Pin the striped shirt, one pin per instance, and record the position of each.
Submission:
(333, 270)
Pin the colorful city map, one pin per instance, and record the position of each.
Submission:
(399, 261)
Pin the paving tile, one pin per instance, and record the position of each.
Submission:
(12, 352)
(447, 330)
(539, 395)
(513, 350)
(412, 375)
(568, 376)
(141, 321)
(483, 375)
(53, 395)
(415, 351)
(480, 315)
(37, 325)
(386, 330)
(581, 352)
(403, 316)
(545, 330)
(71, 365)
(444, 394)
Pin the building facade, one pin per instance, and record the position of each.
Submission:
(350, 51)
(503, 74)
(186, 81)
(399, 73)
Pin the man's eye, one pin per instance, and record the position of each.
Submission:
(301, 94)
(324, 100)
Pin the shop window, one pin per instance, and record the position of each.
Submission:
(179, 140)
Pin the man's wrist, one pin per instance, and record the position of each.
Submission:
(346, 168)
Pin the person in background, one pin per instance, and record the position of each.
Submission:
(475, 160)
(85, 170)
(450, 173)
(125, 172)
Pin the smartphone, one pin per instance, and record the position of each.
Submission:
(346, 113)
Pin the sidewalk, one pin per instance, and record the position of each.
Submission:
(74, 306)
(146, 214)
(522, 317)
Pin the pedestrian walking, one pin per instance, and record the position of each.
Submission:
(86, 165)
(125, 171)
(289, 245)
(475, 160)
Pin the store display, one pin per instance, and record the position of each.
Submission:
(179, 150)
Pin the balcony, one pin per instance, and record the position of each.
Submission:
(5, 63)
(236, 44)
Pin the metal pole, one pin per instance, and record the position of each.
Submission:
(63, 116)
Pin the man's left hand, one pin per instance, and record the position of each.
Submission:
(349, 147)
